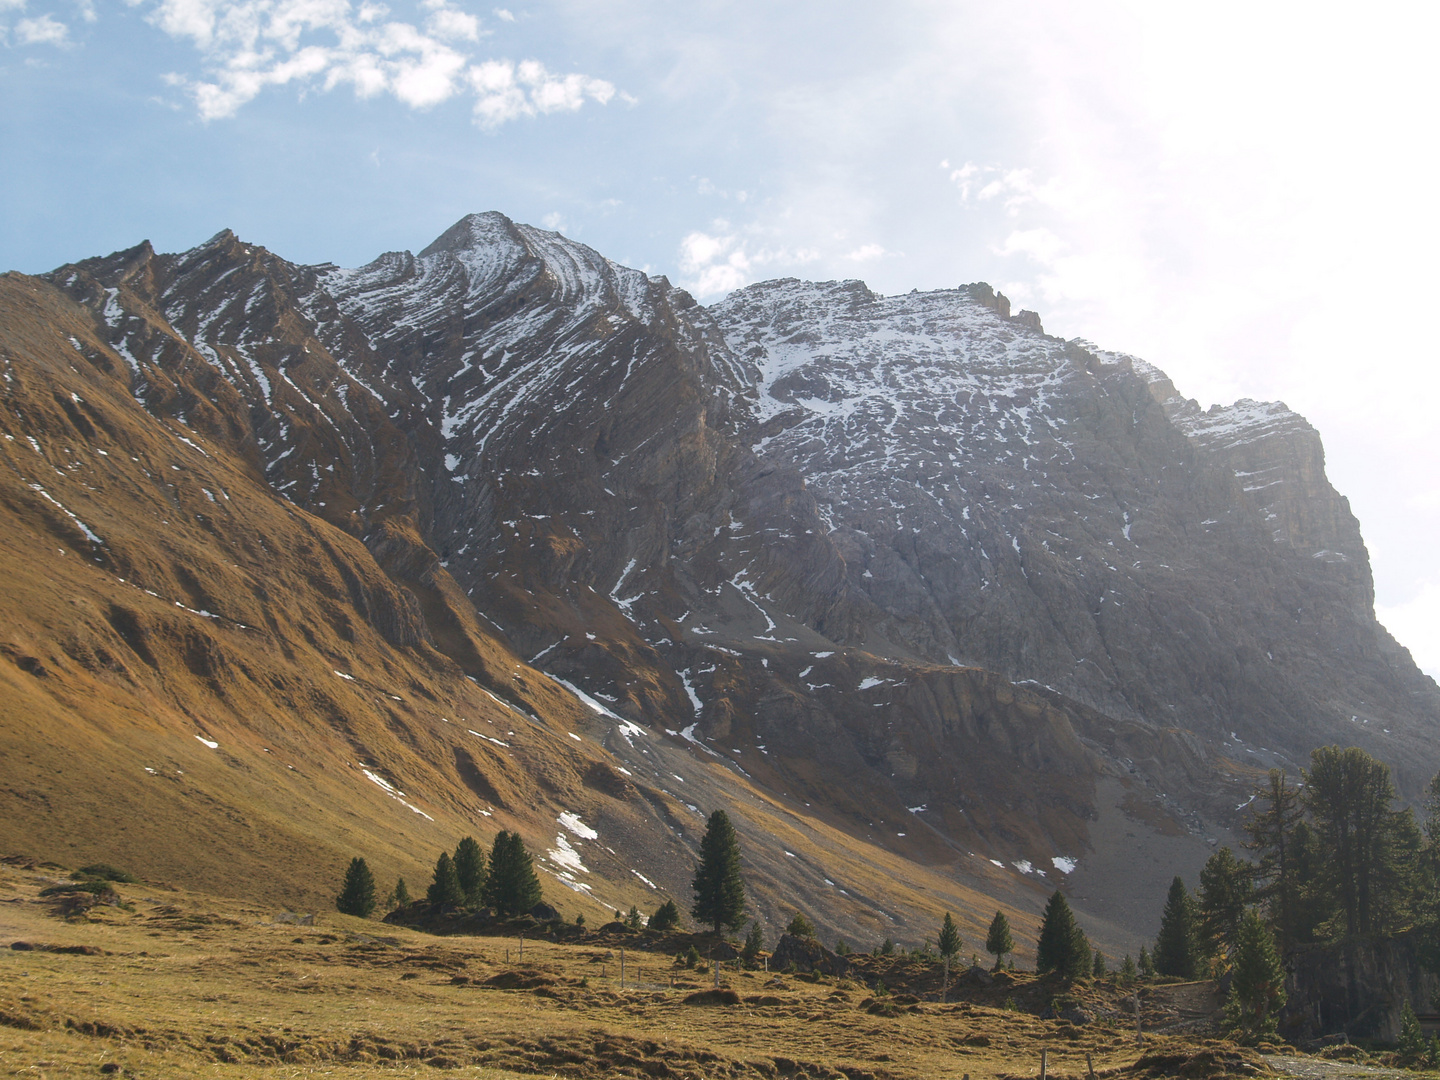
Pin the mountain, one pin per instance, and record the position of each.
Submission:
(307, 562)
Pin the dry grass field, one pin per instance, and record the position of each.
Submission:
(173, 983)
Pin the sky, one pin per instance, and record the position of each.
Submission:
(1242, 194)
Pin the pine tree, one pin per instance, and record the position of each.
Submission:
(399, 896)
(1272, 838)
(1370, 849)
(1411, 1046)
(1257, 984)
(1061, 941)
(1176, 951)
(357, 895)
(511, 887)
(470, 869)
(949, 940)
(666, 917)
(754, 942)
(1225, 889)
(1145, 964)
(1097, 969)
(998, 941)
(633, 918)
(800, 926)
(719, 889)
(445, 888)
(1128, 971)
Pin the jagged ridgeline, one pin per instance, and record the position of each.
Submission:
(943, 611)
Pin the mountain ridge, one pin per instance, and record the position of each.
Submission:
(821, 538)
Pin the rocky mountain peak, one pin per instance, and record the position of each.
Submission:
(945, 590)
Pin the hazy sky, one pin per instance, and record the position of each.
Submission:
(1243, 194)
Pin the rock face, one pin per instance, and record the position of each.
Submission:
(948, 589)
(1358, 988)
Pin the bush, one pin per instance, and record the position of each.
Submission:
(634, 920)
(692, 956)
(106, 872)
(666, 917)
(96, 887)
(800, 926)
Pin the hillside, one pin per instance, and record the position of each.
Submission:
(305, 562)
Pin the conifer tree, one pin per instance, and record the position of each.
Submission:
(1411, 1045)
(998, 941)
(1225, 890)
(470, 869)
(357, 894)
(511, 887)
(445, 888)
(719, 888)
(1257, 984)
(948, 943)
(800, 926)
(754, 942)
(1370, 848)
(1062, 946)
(666, 917)
(399, 896)
(633, 919)
(1127, 971)
(1176, 950)
(1145, 964)
(1097, 968)
(1272, 838)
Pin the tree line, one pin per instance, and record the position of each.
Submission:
(503, 881)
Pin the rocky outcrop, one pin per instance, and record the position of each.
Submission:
(1356, 988)
(806, 954)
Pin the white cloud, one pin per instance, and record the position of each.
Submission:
(504, 14)
(452, 25)
(866, 252)
(721, 261)
(506, 91)
(45, 30)
(249, 46)
(554, 221)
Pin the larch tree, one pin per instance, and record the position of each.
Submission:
(948, 943)
(719, 888)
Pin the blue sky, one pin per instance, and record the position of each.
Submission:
(1240, 193)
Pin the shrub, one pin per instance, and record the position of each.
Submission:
(800, 926)
(106, 872)
(666, 917)
(692, 956)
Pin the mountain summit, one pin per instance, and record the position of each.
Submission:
(940, 608)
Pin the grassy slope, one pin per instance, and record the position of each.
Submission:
(186, 983)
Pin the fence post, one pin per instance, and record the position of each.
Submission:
(622, 969)
(1044, 1062)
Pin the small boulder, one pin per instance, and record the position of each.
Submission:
(543, 912)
